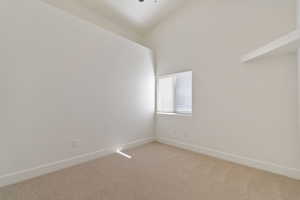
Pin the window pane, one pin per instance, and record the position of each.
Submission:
(166, 94)
(184, 92)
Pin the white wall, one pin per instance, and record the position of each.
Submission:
(78, 9)
(242, 112)
(63, 79)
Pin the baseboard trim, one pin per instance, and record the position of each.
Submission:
(23, 175)
(262, 165)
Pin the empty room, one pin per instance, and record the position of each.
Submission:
(150, 100)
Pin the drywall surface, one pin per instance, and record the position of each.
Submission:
(243, 110)
(67, 87)
(77, 8)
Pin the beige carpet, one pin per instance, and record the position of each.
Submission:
(156, 172)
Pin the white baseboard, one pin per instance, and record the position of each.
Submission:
(19, 176)
(262, 165)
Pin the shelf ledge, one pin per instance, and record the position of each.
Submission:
(283, 45)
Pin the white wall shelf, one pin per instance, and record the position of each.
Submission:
(283, 45)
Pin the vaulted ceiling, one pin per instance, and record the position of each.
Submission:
(138, 16)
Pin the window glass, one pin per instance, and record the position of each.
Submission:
(174, 93)
(183, 95)
(166, 94)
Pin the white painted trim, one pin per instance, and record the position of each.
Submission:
(285, 44)
(173, 74)
(262, 165)
(174, 114)
(22, 175)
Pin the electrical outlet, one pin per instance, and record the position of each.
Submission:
(75, 144)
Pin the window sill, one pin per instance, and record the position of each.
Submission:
(174, 114)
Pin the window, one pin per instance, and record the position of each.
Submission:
(174, 93)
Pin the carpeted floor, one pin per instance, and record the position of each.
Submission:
(156, 172)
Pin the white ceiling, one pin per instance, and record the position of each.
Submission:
(138, 16)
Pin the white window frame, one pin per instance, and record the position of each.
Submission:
(174, 92)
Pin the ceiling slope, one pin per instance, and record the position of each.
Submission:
(138, 17)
